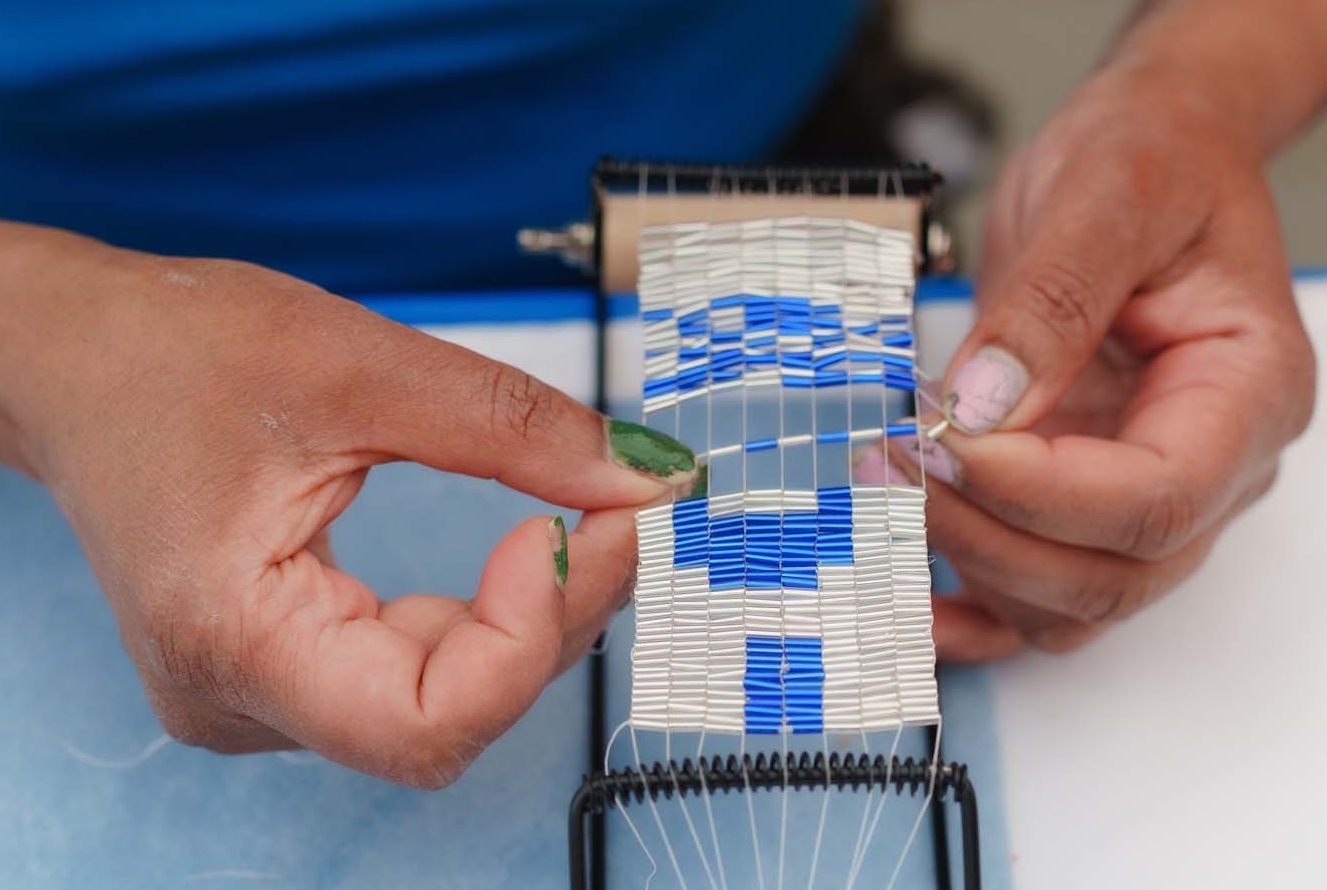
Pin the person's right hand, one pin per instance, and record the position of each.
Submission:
(1137, 366)
(203, 422)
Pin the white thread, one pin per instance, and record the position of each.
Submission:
(859, 855)
(150, 749)
(885, 615)
(930, 647)
(903, 513)
(608, 750)
(783, 595)
(820, 616)
(681, 799)
(800, 439)
(709, 445)
(746, 775)
(926, 803)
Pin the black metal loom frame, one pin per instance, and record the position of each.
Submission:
(618, 788)
(598, 791)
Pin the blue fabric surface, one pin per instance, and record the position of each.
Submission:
(79, 811)
(74, 714)
(73, 711)
(393, 146)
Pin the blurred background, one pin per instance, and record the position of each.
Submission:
(1024, 56)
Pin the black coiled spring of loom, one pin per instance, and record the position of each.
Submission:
(769, 772)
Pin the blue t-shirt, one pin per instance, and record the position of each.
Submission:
(380, 145)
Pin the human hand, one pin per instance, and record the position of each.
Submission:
(202, 423)
(1136, 368)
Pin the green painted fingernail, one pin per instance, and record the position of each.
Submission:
(650, 452)
(557, 533)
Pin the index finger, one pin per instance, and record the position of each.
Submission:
(418, 398)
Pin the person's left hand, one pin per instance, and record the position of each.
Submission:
(1137, 366)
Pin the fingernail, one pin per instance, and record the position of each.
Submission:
(650, 452)
(557, 534)
(935, 458)
(985, 390)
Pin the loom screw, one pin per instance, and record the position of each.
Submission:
(939, 248)
(574, 244)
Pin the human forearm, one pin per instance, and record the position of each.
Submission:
(1260, 64)
(53, 298)
(23, 318)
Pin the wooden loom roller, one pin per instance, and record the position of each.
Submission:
(898, 198)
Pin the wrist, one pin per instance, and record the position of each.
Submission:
(17, 333)
(1254, 70)
(36, 331)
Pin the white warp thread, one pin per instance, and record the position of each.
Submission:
(688, 662)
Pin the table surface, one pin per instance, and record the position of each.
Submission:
(1180, 750)
(1171, 753)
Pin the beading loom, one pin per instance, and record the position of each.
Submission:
(781, 600)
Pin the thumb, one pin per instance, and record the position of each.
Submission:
(1084, 255)
(413, 689)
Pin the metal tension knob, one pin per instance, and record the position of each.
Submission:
(574, 244)
(940, 248)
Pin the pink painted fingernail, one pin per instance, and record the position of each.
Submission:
(985, 390)
(935, 458)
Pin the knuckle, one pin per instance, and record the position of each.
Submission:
(626, 591)
(188, 647)
(1265, 482)
(1114, 598)
(521, 405)
(186, 730)
(1301, 389)
(1062, 638)
(1164, 524)
(432, 767)
(270, 657)
(1062, 300)
(429, 776)
(180, 647)
(1102, 606)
